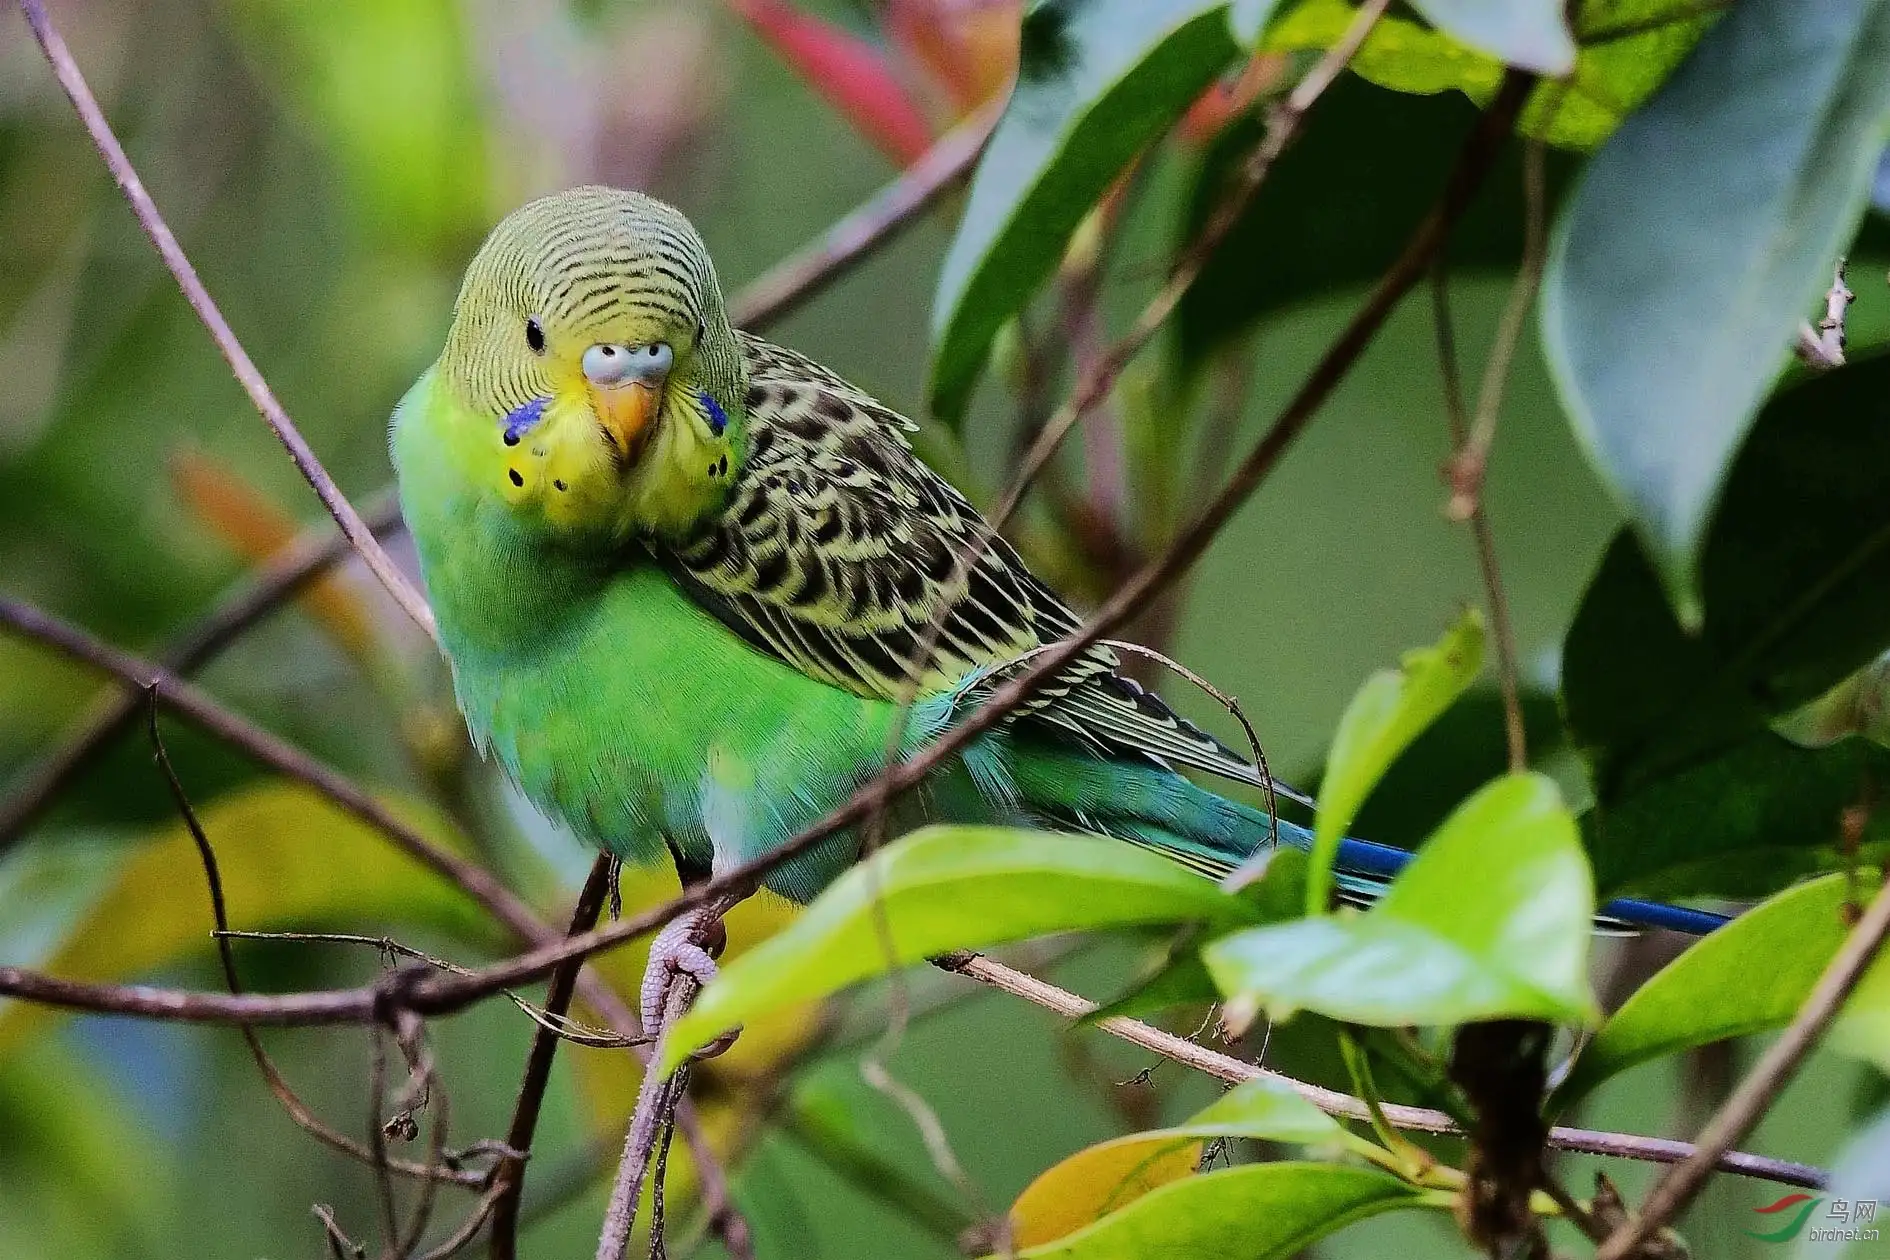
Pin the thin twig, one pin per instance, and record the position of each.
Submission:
(1761, 1087)
(335, 1006)
(298, 1111)
(1472, 441)
(278, 580)
(66, 70)
(509, 1174)
(1418, 1119)
(1507, 669)
(788, 283)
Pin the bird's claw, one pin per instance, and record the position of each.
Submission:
(678, 950)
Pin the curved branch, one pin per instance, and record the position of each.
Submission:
(66, 70)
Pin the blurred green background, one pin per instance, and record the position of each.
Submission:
(330, 168)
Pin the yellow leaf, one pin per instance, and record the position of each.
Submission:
(288, 857)
(1097, 1181)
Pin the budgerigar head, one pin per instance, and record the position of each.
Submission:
(591, 351)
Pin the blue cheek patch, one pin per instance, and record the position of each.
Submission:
(524, 418)
(718, 419)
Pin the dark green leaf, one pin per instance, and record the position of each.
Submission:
(1098, 80)
(1339, 205)
(1749, 977)
(1744, 824)
(946, 888)
(1491, 919)
(1457, 754)
(1256, 1212)
(1697, 240)
(1796, 584)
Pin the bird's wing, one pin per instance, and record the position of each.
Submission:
(838, 548)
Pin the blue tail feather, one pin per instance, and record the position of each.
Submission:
(1163, 810)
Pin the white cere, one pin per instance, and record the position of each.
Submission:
(606, 364)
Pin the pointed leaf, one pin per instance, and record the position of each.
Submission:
(1749, 977)
(1697, 240)
(1256, 1212)
(1752, 820)
(1389, 711)
(1796, 586)
(1490, 920)
(849, 72)
(1106, 1177)
(1098, 1180)
(1528, 34)
(946, 888)
(1097, 81)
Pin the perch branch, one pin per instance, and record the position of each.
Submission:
(66, 70)
(1225, 1067)
(336, 1006)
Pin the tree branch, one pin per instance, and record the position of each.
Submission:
(783, 287)
(66, 70)
(509, 1175)
(280, 579)
(1756, 1093)
(1225, 1067)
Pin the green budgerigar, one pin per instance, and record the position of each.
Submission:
(682, 575)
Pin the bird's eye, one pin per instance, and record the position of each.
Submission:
(535, 334)
(605, 364)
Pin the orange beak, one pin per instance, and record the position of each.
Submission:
(625, 410)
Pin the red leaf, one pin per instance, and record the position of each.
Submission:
(848, 71)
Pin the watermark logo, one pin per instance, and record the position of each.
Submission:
(1843, 1220)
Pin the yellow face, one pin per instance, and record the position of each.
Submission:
(591, 353)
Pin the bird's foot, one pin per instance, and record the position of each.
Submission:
(686, 947)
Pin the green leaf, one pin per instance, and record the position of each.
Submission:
(1265, 1109)
(1697, 240)
(1627, 49)
(1749, 977)
(1097, 81)
(1490, 920)
(1255, 1212)
(1750, 821)
(1457, 754)
(945, 888)
(1342, 200)
(1108, 1176)
(1528, 34)
(1389, 711)
(1796, 587)
(1181, 979)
